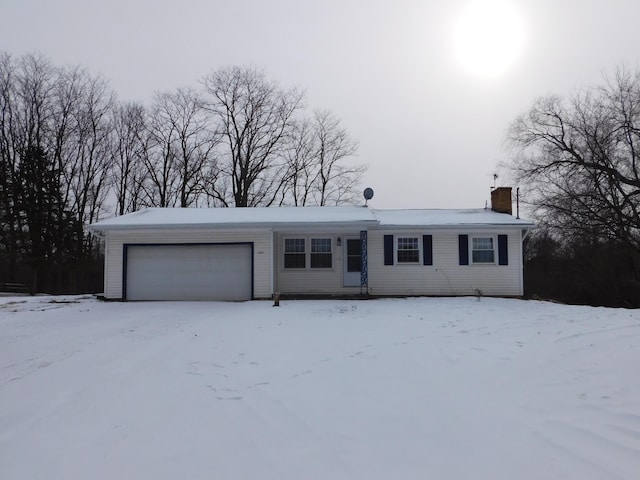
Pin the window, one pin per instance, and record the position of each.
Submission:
(294, 253)
(320, 253)
(297, 254)
(354, 255)
(482, 250)
(408, 250)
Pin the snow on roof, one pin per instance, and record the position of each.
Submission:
(303, 216)
(235, 217)
(443, 218)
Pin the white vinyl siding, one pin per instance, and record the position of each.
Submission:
(262, 249)
(445, 276)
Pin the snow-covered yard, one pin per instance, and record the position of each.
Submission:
(382, 389)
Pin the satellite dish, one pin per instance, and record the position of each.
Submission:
(368, 194)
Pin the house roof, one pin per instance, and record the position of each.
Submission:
(235, 217)
(282, 217)
(446, 218)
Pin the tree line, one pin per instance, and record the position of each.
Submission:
(72, 153)
(577, 159)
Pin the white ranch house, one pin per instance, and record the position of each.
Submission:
(254, 253)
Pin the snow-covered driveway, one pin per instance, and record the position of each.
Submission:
(382, 389)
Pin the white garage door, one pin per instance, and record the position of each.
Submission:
(188, 272)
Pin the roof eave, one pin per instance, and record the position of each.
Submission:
(457, 225)
(236, 226)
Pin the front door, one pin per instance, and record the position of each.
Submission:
(352, 261)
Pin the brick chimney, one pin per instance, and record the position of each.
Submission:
(501, 200)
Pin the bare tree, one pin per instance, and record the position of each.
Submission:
(301, 157)
(87, 155)
(128, 147)
(180, 152)
(577, 159)
(255, 117)
(335, 181)
(319, 172)
(9, 229)
(160, 160)
(195, 140)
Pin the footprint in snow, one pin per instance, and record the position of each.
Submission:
(261, 384)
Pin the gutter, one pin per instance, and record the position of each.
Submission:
(97, 232)
(455, 226)
(240, 226)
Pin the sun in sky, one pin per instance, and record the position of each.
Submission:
(488, 37)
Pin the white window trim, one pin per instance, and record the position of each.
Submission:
(284, 252)
(330, 252)
(495, 249)
(395, 248)
(307, 253)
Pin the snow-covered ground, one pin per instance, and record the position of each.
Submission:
(382, 389)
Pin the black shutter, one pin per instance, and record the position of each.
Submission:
(503, 251)
(427, 250)
(463, 249)
(388, 249)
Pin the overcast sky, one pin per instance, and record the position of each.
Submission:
(430, 129)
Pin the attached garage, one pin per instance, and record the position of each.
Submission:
(188, 272)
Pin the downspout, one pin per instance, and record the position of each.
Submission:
(525, 234)
(274, 254)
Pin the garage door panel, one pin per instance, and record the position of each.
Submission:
(189, 272)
